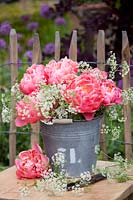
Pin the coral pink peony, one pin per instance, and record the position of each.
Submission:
(96, 73)
(84, 94)
(27, 112)
(31, 163)
(32, 78)
(62, 89)
(61, 70)
(111, 93)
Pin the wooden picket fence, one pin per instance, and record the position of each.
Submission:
(36, 58)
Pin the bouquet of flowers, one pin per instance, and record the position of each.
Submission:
(64, 89)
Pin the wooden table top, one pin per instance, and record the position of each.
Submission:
(102, 190)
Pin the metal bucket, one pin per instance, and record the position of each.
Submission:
(77, 140)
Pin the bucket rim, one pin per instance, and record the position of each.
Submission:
(95, 118)
(77, 121)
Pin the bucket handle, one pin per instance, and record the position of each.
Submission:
(62, 121)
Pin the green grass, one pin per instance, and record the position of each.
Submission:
(3, 167)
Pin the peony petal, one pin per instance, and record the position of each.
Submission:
(20, 172)
(45, 159)
(24, 154)
(88, 116)
(18, 164)
(19, 175)
(36, 147)
(19, 122)
(32, 163)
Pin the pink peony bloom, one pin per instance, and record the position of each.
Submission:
(50, 91)
(84, 94)
(31, 163)
(27, 113)
(59, 71)
(96, 73)
(32, 78)
(111, 93)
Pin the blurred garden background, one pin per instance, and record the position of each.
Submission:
(46, 17)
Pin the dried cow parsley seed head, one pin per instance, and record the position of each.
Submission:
(125, 68)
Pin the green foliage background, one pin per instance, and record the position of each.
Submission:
(12, 13)
(47, 28)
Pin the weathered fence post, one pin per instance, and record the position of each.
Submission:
(73, 47)
(36, 58)
(36, 53)
(57, 46)
(127, 107)
(14, 78)
(101, 66)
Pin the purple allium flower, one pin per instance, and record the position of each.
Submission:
(19, 47)
(78, 51)
(30, 42)
(49, 48)
(120, 83)
(45, 11)
(60, 21)
(28, 54)
(131, 67)
(19, 63)
(5, 28)
(131, 82)
(32, 26)
(2, 44)
(19, 35)
(25, 18)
